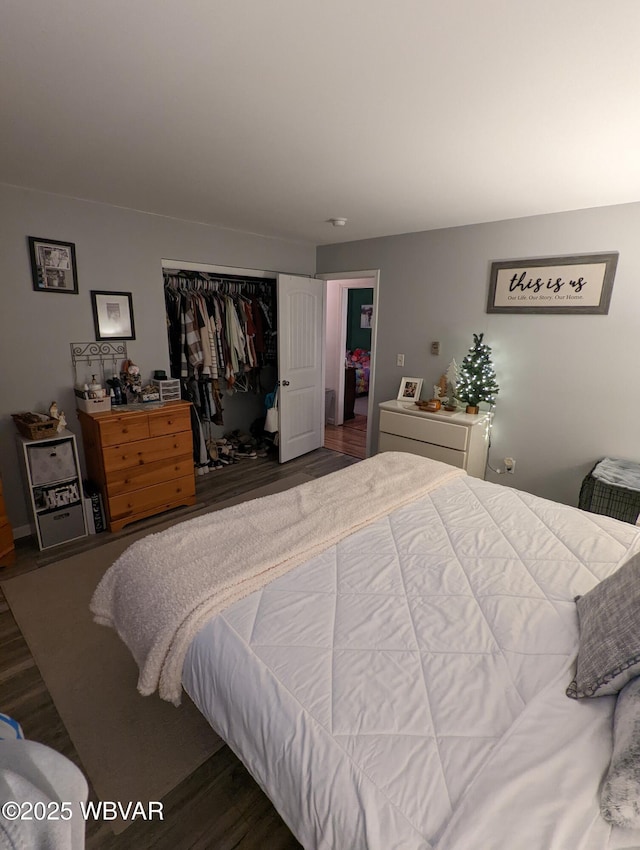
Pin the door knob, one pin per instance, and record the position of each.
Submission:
(285, 383)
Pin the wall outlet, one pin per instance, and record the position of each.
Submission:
(400, 360)
(435, 348)
(509, 464)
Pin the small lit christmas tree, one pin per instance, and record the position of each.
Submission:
(477, 377)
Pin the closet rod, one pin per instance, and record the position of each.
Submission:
(217, 278)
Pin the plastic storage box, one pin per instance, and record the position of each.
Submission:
(169, 389)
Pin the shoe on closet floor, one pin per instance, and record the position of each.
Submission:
(244, 451)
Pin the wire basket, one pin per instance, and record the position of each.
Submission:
(598, 497)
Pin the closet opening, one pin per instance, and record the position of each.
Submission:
(222, 337)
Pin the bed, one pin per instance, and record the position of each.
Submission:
(360, 360)
(389, 656)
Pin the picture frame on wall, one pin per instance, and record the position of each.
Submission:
(573, 284)
(53, 265)
(113, 315)
(410, 389)
(366, 316)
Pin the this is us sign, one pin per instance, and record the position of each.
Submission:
(580, 284)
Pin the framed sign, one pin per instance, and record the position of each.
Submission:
(113, 315)
(53, 265)
(578, 284)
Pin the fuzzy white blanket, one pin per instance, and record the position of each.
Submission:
(163, 588)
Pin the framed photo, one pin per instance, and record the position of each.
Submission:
(53, 265)
(113, 315)
(410, 389)
(577, 284)
(366, 316)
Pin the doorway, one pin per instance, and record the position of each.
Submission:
(351, 322)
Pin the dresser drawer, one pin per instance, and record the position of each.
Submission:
(129, 455)
(445, 434)
(392, 443)
(124, 429)
(169, 422)
(152, 499)
(127, 480)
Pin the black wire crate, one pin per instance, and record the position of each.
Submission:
(599, 497)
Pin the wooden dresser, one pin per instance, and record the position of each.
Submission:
(7, 547)
(142, 460)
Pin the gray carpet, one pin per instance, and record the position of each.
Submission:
(131, 747)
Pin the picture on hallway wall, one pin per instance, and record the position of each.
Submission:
(366, 316)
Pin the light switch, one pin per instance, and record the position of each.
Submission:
(400, 360)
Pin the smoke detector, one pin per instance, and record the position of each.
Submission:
(338, 222)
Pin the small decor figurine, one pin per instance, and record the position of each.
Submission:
(451, 380)
(58, 415)
(477, 378)
(131, 378)
(434, 403)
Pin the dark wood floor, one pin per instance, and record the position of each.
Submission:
(349, 438)
(218, 807)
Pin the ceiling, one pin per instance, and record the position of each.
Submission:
(273, 116)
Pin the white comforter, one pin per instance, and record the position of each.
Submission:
(405, 688)
(163, 588)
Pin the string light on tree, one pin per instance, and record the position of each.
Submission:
(477, 377)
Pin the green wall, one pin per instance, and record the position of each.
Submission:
(358, 337)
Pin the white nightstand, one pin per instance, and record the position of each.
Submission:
(461, 439)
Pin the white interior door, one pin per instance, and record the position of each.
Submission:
(300, 364)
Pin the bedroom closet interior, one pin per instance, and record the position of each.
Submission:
(223, 348)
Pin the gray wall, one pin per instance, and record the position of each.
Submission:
(116, 249)
(568, 384)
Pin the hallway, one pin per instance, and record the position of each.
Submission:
(350, 438)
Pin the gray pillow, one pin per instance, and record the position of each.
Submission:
(609, 620)
(620, 796)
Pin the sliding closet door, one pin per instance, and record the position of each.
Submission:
(300, 364)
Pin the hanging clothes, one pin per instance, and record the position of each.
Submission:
(219, 329)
